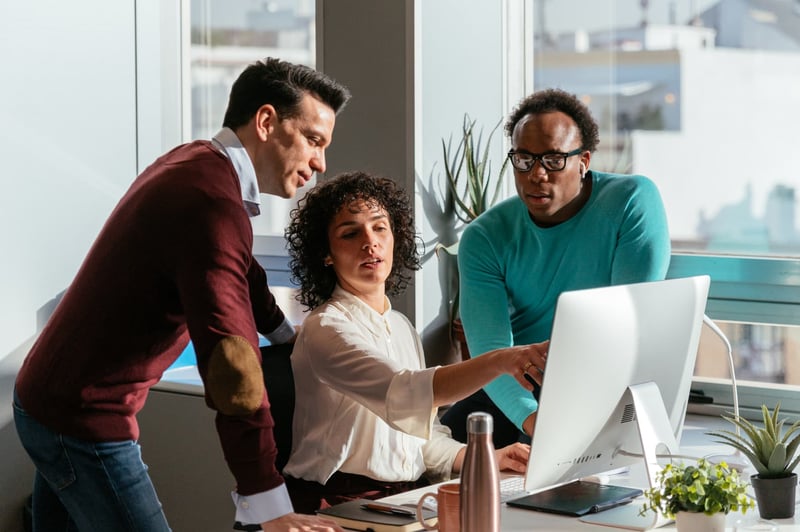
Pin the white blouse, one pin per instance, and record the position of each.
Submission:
(364, 398)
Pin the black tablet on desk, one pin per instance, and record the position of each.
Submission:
(577, 498)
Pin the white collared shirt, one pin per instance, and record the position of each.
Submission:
(229, 144)
(364, 400)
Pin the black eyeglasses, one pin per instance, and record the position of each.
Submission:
(553, 161)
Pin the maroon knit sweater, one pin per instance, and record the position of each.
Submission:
(173, 261)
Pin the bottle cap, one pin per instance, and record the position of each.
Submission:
(480, 423)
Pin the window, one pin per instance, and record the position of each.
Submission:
(719, 146)
(226, 36)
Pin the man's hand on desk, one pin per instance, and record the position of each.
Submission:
(514, 457)
(300, 523)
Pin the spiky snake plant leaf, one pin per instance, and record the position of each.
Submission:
(773, 455)
(479, 189)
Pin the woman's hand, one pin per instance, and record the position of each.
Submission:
(525, 363)
(513, 457)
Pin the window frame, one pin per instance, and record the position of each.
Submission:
(753, 289)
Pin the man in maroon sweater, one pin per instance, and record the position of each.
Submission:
(173, 262)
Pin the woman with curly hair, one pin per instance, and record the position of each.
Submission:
(365, 423)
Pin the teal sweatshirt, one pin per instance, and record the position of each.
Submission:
(512, 271)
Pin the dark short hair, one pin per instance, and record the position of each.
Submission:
(283, 85)
(307, 233)
(553, 100)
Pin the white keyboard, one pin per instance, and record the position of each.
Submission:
(512, 488)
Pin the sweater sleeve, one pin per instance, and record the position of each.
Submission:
(643, 245)
(212, 260)
(484, 311)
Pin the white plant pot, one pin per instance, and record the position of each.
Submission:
(699, 522)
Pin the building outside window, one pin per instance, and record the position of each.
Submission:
(700, 96)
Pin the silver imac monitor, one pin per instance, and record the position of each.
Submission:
(617, 378)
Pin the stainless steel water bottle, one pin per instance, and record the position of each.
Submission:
(480, 480)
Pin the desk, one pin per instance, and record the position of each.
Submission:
(694, 442)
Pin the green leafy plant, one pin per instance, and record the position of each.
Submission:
(471, 187)
(701, 487)
(774, 455)
(468, 169)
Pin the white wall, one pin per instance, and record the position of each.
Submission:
(68, 102)
(69, 143)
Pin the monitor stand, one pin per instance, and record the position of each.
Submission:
(655, 431)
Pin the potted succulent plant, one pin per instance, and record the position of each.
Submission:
(471, 189)
(698, 496)
(774, 455)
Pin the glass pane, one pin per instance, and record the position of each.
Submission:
(700, 96)
(761, 353)
(228, 35)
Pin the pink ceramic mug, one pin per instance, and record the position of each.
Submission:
(448, 502)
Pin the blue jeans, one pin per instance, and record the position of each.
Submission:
(85, 486)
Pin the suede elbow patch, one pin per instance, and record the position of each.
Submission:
(235, 382)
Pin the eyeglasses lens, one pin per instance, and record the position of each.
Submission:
(551, 161)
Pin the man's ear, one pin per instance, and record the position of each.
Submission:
(265, 118)
(586, 157)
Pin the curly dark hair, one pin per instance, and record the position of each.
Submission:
(307, 233)
(283, 85)
(551, 100)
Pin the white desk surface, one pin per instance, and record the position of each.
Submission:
(694, 442)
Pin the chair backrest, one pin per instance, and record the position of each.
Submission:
(279, 381)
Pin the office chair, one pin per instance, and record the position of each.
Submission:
(279, 382)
